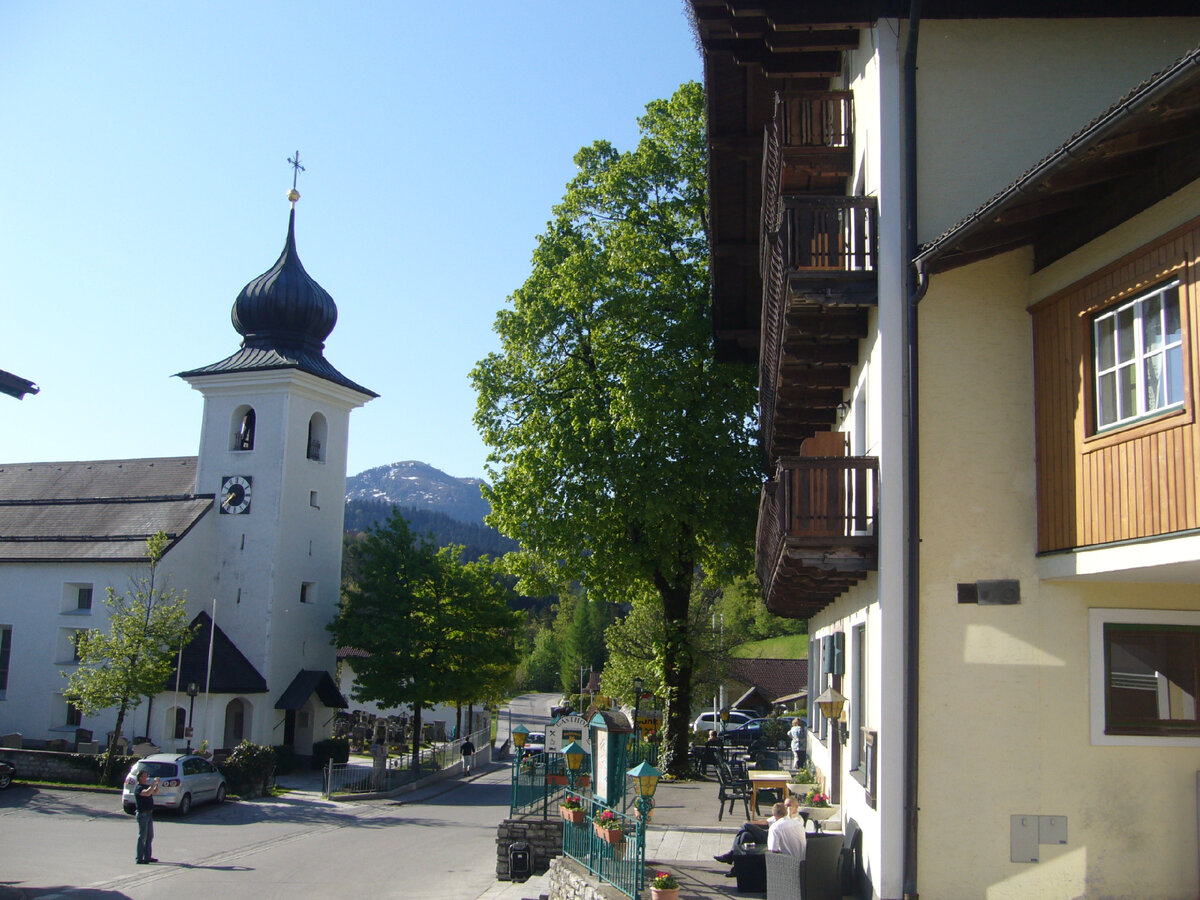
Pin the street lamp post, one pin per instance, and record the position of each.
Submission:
(637, 699)
(192, 690)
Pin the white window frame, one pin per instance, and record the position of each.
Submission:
(1097, 618)
(1138, 358)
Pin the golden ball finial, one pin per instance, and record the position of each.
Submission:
(293, 195)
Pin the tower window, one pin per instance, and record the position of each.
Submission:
(243, 428)
(312, 500)
(308, 592)
(318, 432)
(84, 598)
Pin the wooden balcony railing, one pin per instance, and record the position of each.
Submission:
(816, 531)
(815, 118)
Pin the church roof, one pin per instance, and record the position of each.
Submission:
(96, 510)
(284, 317)
(232, 673)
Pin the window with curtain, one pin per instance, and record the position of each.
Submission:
(1138, 357)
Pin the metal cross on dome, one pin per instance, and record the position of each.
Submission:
(294, 162)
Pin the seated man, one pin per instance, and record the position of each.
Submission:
(786, 834)
(756, 832)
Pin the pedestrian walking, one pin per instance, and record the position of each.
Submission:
(143, 795)
(468, 754)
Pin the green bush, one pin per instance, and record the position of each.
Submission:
(285, 759)
(249, 768)
(336, 749)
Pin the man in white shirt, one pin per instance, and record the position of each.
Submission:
(786, 834)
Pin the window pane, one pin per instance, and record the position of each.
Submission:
(1125, 334)
(1108, 399)
(1126, 393)
(1105, 358)
(1154, 384)
(1152, 677)
(1174, 378)
(5, 650)
(1152, 324)
(1171, 301)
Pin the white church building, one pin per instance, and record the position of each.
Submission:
(255, 528)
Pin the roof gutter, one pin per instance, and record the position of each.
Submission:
(915, 285)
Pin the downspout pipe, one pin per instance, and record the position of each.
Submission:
(915, 285)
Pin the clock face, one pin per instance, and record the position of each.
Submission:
(235, 494)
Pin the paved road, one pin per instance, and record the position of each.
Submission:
(438, 845)
(530, 710)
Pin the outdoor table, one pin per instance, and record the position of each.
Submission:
(765, 780)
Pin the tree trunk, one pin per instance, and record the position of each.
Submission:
(678, 666)
(458, 719)
(416, 744)
(470, 718)
(108, 762)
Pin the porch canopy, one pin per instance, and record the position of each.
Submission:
(306, 682)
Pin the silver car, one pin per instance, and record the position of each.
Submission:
(182, 782)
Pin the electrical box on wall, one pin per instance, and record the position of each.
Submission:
(994, 592)
(1028, 833)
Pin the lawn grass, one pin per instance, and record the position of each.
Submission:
(786, 646)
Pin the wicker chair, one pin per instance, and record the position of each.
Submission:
(785, 877)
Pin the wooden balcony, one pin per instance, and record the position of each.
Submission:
(819, 282)
(817, 531)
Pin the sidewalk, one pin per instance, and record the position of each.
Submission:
(683, 837)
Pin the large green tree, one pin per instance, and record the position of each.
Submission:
(146, 627)
(622, 454)
(434, 630)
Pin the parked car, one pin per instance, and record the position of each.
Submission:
(771, 732)
(183, 782)
(536, 742)
(704, 721)
(7, 773)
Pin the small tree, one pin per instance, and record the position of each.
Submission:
(147, 626)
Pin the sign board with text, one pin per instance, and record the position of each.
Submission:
(568, 728)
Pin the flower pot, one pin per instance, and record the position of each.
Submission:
(610, 835)
(574, 816)
(637, 814)
(584, 781)
(664, 893)
(819, 813)
(556, 779)
(800, 790)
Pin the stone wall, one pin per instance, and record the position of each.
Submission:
(571, 881)
(69, 768)
(544, 837)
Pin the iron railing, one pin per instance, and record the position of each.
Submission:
(397, 771)
(616, 856)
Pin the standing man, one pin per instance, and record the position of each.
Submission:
(468, 755)
(143, 794)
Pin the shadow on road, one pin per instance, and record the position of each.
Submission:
(7, 892)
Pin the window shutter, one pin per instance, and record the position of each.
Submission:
(838, 666)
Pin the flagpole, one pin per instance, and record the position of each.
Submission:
(212, 634)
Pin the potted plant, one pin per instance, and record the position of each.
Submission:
(803, 782)
(664, 887)
(817, 806)
(556, 778)
(608, 827)
(571, 810)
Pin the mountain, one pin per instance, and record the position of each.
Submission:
(420, 486)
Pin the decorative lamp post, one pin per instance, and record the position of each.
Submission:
(192, 690)
(637, 699)
(831, 703)
(520, 735)
(574, 754)
(646, 777)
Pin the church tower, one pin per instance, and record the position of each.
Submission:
(273, 453)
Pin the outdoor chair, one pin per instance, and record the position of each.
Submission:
(785, 877)
(731, 789)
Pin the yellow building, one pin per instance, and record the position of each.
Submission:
(960, 241)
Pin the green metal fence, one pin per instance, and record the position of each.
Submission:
(539, 781)
(616, 856)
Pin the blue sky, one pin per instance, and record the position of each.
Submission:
(143, 176)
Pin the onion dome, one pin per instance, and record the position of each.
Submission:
(284, 307)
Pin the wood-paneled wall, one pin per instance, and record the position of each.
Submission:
(1132, 482)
